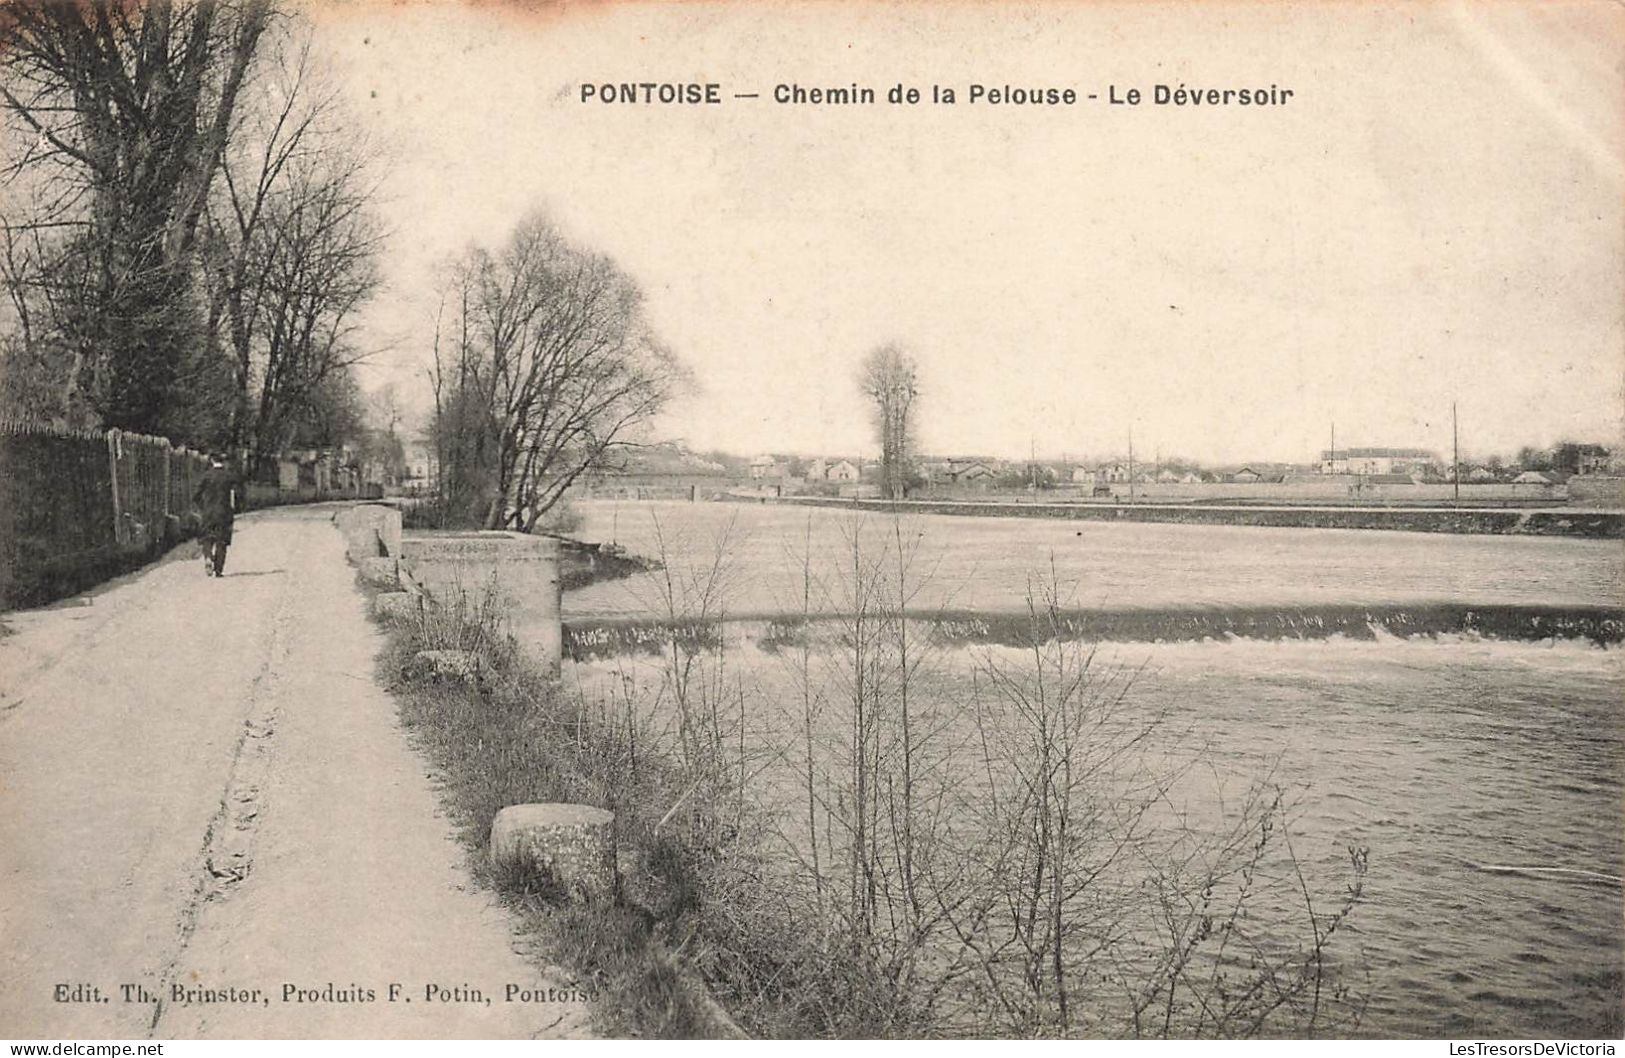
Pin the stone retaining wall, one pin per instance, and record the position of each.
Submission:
(516, 573)
(1584, 523)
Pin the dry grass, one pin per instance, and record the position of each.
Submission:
(695, 903)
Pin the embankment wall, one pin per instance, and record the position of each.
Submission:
(1581, 523)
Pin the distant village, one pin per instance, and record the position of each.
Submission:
(1353, 472)
(669, 468)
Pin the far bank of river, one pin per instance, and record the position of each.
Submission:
(1506, 522)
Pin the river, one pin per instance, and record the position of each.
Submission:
(1484, 775)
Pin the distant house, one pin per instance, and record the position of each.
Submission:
(314, 468)
(967, 472)
(1082, 475)
(1246, 476)
(1590, 459)
(764, 467)
(1168, 476)
(817, 469)
(1192, 477)
(422, 465)
(845, 470)
(1376, 460)
(1535, 477)
(959, 471)
(1476, 475)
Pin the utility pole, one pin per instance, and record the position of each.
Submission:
(1455, 455)
(1331, 456)
(1131, 464)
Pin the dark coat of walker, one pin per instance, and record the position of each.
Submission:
(216, 511)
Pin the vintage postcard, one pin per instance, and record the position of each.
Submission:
(812, 520)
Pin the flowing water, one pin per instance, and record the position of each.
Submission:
(1484, 775)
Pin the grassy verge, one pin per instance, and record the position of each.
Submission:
(694, 917)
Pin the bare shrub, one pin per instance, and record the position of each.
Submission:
(1017, 862)
(1102, 907)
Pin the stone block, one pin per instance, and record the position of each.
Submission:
(360, 538)
(380, 571)
(462, 666)
(397, 604)
(371, 530)
(574, 844)
(516, 573)
(389, 529)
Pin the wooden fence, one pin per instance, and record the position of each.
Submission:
(77, 506)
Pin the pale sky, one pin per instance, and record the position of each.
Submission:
(1438, 214)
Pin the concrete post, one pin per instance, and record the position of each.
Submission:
(166, 451)
(112, 470)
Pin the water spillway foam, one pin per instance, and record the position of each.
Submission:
(1602, 626)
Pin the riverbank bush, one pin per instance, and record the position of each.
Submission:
(1027, 858)
(694, 890)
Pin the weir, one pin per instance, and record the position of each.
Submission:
(1602, 626)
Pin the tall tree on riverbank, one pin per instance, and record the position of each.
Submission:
(544, 365)
(887, 378)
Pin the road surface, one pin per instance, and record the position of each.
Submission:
(212, 825)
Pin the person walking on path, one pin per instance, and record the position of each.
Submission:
(216, 500)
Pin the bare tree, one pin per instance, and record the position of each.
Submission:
(887, 378)
(553, 367)
(291, 258)
(124, 112)
(385, 408)
(288, 247)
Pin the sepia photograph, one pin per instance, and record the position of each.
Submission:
(814, 520)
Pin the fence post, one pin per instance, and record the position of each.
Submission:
(112, 470)
(167, 449)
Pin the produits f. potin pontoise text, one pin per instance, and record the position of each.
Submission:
(608, 94)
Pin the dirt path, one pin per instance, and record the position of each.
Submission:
(205, 800)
